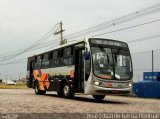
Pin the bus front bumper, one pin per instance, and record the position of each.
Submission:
(97, 90)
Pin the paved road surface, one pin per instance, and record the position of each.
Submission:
(25, 101)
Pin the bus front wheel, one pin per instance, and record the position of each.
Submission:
(98, 97)
(37, 90)
(67, 91)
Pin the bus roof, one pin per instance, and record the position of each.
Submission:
(58, 46)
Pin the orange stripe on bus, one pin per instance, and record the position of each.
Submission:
(42, 79)
(35, 74)
(40, 72)
(41, 86)
(72, 74)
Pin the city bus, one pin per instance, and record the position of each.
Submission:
(91, 66)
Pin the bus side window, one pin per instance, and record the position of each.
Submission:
(45, 60)
(56, 58)
(68, 56)
(51, 55)
(38, 62)
(51, 59)
(61, 57)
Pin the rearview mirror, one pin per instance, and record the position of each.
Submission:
(86, 55)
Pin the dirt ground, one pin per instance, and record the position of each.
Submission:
(25, 101)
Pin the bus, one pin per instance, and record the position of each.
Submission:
(92, 66)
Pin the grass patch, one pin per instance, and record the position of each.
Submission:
(17, 86)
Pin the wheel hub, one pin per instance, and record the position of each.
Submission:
(66, 90)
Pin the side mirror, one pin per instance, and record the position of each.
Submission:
(86, 55)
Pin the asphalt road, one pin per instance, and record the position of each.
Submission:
(25, 101)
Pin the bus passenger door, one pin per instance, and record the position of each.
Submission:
(79, 71)
(31, 67)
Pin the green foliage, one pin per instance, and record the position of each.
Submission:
(17, 86)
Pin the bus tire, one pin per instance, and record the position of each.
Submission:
(37, 90)
(98, 97)
(67, 91)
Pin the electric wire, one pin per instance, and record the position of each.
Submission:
(121, 29)
(144, 38)
(131, 16)
(136, 40)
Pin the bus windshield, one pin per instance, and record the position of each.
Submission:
(111, 63)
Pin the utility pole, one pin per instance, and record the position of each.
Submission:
(61, 33)
(152, 64)
(19, 77)
(6, 78)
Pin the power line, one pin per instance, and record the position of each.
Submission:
(20, 60)
(129, 17)
(15, 62)
(51, 47)
(19, 52)
(136, 40)
(44, 45)
(37, 42)
(140, 13)
(12, 63)
(144, 38)
(142, 24)
(138, 25)
(115, 30)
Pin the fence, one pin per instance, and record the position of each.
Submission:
(147, 61)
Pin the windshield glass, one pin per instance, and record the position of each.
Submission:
(102, 62)
(111, 63)
(122, 64)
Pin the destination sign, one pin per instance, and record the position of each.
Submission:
(108, 42)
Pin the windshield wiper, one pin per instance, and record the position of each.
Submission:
(104, 53)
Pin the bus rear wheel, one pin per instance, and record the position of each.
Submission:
(38, 91)
(67, 91)
(98, 97)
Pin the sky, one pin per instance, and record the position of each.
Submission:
(23, 22)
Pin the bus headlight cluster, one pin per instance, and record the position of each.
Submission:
(130, 85)
(98, 83)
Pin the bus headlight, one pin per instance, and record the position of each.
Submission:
(130, 85)
(96, 83)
